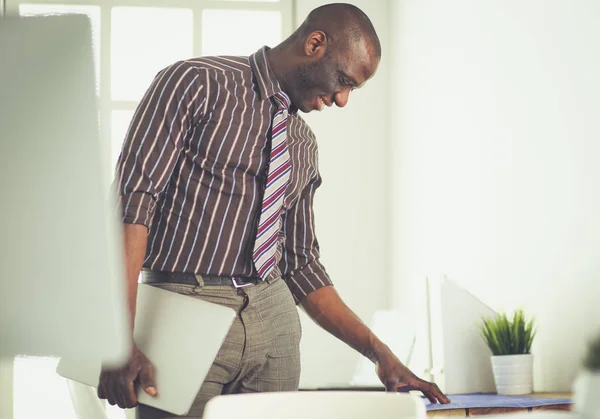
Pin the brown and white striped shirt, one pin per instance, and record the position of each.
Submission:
(194, 165)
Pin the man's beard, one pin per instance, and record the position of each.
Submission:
(307, 74)
(300, 83)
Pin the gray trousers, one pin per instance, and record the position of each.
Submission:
(261, 352)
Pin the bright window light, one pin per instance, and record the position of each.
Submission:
(144, 40)
(221, 31)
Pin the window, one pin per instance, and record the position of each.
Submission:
(132, 41)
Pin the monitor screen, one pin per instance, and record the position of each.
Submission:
(62, 290)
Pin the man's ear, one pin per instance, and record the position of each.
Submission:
(316, 44)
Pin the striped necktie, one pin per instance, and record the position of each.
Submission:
(280, 165)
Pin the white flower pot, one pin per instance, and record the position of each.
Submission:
(586, 394)
(513, 374)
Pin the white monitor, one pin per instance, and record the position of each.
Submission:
(62, 291)
(460, 357)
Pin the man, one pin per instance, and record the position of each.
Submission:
(216, 180)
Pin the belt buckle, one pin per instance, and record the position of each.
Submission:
(236, 285)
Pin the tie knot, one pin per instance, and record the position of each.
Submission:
(282, 100)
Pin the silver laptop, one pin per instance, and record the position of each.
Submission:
(180, 334)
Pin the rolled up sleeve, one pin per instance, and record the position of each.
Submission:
(171, 106)
(300, 264)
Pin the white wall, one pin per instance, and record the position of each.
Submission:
(351, 206)
(495, 139)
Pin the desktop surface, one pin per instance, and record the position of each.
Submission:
(479, 404)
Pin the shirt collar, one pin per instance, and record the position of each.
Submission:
(265, 79)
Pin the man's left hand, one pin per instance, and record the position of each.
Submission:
(397, 377)
(325, 307)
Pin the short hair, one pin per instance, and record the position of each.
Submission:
(340, 21)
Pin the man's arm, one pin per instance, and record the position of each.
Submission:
(327, 309)
(307, 279)
(135, 239)
(174, 103)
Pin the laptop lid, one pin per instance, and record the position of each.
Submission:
(181, 335)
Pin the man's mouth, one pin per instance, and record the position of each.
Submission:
(321, 103)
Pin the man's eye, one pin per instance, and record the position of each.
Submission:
(344, 82)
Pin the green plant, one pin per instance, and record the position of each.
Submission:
(592, 359)
(506, 337)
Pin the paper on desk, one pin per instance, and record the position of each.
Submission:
(467, 401)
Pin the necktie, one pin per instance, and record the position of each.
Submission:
(277, 181)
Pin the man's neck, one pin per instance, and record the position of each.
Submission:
(279, 63)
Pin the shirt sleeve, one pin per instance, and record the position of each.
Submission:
(300, 265)
(171, 106)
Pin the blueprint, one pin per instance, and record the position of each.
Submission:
(466, 401)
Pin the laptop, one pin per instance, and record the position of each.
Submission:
(180, 334)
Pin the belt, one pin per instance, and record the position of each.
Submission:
(153, 277)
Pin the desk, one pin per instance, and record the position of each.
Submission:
(474, 411)
(485, 411)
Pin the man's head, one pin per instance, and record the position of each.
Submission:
(334, 51)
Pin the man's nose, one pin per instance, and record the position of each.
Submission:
(341, 98)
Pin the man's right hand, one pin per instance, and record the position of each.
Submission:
(118, 386)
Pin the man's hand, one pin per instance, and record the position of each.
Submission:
(396, 377)
(118, 386)
(327, 309)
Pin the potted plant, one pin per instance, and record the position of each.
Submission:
(586, 389)
(510, 342)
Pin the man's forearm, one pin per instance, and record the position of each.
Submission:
(135, 237)
(328, 310)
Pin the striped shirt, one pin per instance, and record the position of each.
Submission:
(193, 169)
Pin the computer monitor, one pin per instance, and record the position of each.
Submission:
(460, 359)
(62, 291)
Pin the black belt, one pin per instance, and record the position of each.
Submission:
(153, 277)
